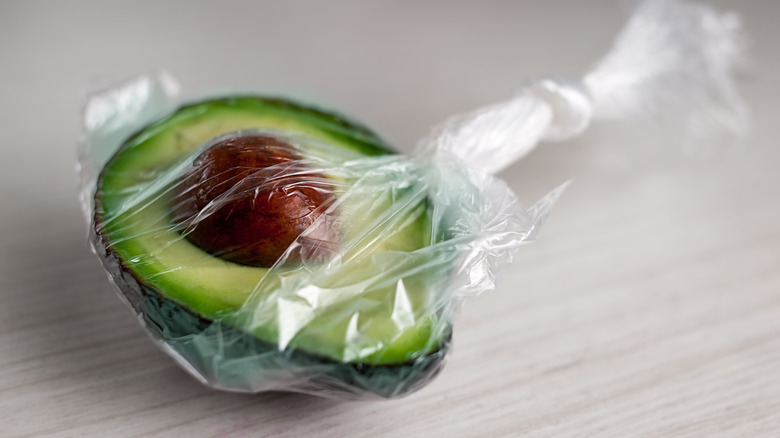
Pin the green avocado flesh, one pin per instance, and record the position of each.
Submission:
(373, 312)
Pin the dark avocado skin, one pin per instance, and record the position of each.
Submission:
(264, 367)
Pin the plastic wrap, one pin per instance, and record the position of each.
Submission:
(266, 245)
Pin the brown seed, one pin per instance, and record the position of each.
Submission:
(247, 199)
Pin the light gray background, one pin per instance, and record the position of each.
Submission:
(650, 306)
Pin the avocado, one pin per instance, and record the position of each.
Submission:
(362, 317)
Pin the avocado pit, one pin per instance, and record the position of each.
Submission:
(252, 200)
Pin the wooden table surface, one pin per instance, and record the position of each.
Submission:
(650, 306)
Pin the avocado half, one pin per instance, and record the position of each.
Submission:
(373, 324)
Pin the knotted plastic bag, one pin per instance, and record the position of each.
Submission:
(267, 245)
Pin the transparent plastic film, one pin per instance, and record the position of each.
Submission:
(674, 62)
(268, 245)
(111, 115)
(299, 259)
